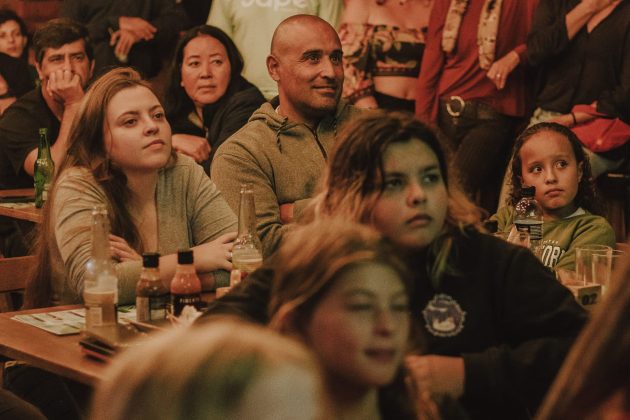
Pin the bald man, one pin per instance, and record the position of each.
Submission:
(283, 149)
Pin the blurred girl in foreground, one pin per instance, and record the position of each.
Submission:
(340, 289)
(226, 370)
(120, 156)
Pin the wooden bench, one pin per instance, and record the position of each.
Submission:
(14, 273)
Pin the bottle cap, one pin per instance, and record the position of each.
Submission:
(528, 191)
(185, 256)
(151, 259)
(43, 130)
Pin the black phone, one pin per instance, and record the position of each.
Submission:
(115, 337)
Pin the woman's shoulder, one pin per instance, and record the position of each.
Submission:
(181, 178)
(76, 175)
(181, 165)
(184, 169)
(78, 184)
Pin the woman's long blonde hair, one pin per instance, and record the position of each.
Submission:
(86, 149)
(353, 181)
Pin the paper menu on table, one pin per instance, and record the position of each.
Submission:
(67, 322)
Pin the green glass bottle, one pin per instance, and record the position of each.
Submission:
(44, 169)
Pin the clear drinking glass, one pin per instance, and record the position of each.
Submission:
(604, 265)
(585, 274)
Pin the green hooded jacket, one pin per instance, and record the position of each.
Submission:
(282, 160)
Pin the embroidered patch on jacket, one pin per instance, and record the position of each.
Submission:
(443, 316)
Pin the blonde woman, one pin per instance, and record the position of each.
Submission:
(225, 370)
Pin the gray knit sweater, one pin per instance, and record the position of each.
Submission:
(190, 209)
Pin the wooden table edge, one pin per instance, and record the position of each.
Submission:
(71, 371)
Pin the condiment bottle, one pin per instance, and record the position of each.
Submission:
(152, 297)
(185, 286)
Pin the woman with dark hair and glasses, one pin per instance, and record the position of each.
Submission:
(207, 99)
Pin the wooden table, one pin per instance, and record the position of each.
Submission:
(54, 353)
(29, 213)
(57, 354)
(20, 192)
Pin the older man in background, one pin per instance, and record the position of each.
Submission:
(64, 64)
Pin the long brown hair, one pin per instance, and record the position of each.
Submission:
(86, 149)
(353, 182)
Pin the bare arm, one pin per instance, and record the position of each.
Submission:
(65, 87)
(208, 257)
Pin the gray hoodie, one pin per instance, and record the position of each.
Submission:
(282, 160)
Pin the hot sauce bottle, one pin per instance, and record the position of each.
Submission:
(185, 286)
